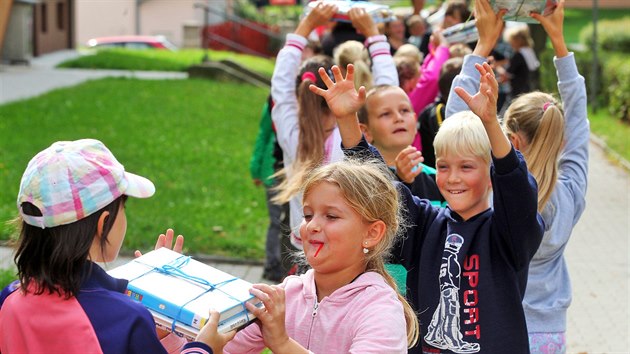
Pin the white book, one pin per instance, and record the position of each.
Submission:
(379, 12)
(519, 10)
(183, 290)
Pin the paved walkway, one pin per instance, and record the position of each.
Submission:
(597, 255)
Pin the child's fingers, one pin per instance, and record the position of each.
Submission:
(160, 242)
(179, 244)
(316, 90)
(349, 73)
(362, 93)
(324, 75)
(337, 73)
(465, 96)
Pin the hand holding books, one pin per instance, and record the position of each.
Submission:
(379, 13)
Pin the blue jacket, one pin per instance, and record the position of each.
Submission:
(100, 319)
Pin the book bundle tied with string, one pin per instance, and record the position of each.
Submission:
(179, 292)
(517, 10)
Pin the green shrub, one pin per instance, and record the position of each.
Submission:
(617, 73)
(6, 277)
(612, 35)
(584, 61)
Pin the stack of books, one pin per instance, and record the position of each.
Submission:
(179, 292)
(519, 10)
(462, 33)
(380, 13)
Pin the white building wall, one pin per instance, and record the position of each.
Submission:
(96, 18)
(99, 18)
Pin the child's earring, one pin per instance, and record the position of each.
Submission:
(365, 249)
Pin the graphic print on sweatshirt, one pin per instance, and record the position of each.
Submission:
(444, 331)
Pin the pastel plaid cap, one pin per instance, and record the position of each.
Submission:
(73, 179)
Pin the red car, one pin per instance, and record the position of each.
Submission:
(131, 42)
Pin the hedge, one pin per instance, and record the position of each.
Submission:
(613, 79)
(612, 35)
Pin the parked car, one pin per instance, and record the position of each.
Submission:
(131, 42)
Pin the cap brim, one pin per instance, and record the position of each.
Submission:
(138, 186)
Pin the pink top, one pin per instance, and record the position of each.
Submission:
(364, 316)
(427, 89)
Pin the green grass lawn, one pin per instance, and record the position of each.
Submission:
(192, 138)
(615, 133)
(163, 60)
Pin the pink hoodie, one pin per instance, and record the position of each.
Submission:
(364, 316)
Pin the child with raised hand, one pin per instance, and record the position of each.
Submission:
(72, 214)
(347, 302)
(388, 122)
(555, 145)
(467, 262)
(306, 129)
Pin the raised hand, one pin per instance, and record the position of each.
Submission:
(553, 25)
(210, 335)
(341, 96)
(484, 102)
(490, 26)
(319, 16)
(166, 240)
(362, 22)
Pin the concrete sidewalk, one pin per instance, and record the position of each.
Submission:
(597, 255)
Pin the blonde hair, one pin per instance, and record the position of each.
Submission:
(519, 34)
(409, 50)
(368, 188)
(353, 52)
(311, 111)
(539, 119)
(459, 50)
(462, 134)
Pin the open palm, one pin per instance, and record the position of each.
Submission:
(484, 102)
(341, 96)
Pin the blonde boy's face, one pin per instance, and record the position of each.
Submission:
(464, 181)
(392, 121)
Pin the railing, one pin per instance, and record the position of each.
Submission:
(234, 24)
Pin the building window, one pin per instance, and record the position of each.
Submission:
(44, 17)
(60, 16)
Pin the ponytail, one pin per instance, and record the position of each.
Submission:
(540, 120)
(311, 110)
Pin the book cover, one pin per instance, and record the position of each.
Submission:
(379, 12)
(519, 10)
(183, 289)
(236, 322)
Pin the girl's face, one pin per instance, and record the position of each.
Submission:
(332, 232)
(464, 181)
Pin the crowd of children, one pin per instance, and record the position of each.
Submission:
(374, 158)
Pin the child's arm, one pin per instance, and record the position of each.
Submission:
(484, 105)
(490, 26)
(426, 89)
(573, 162)
(285, 110)
(344, 101)
(383, 66)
